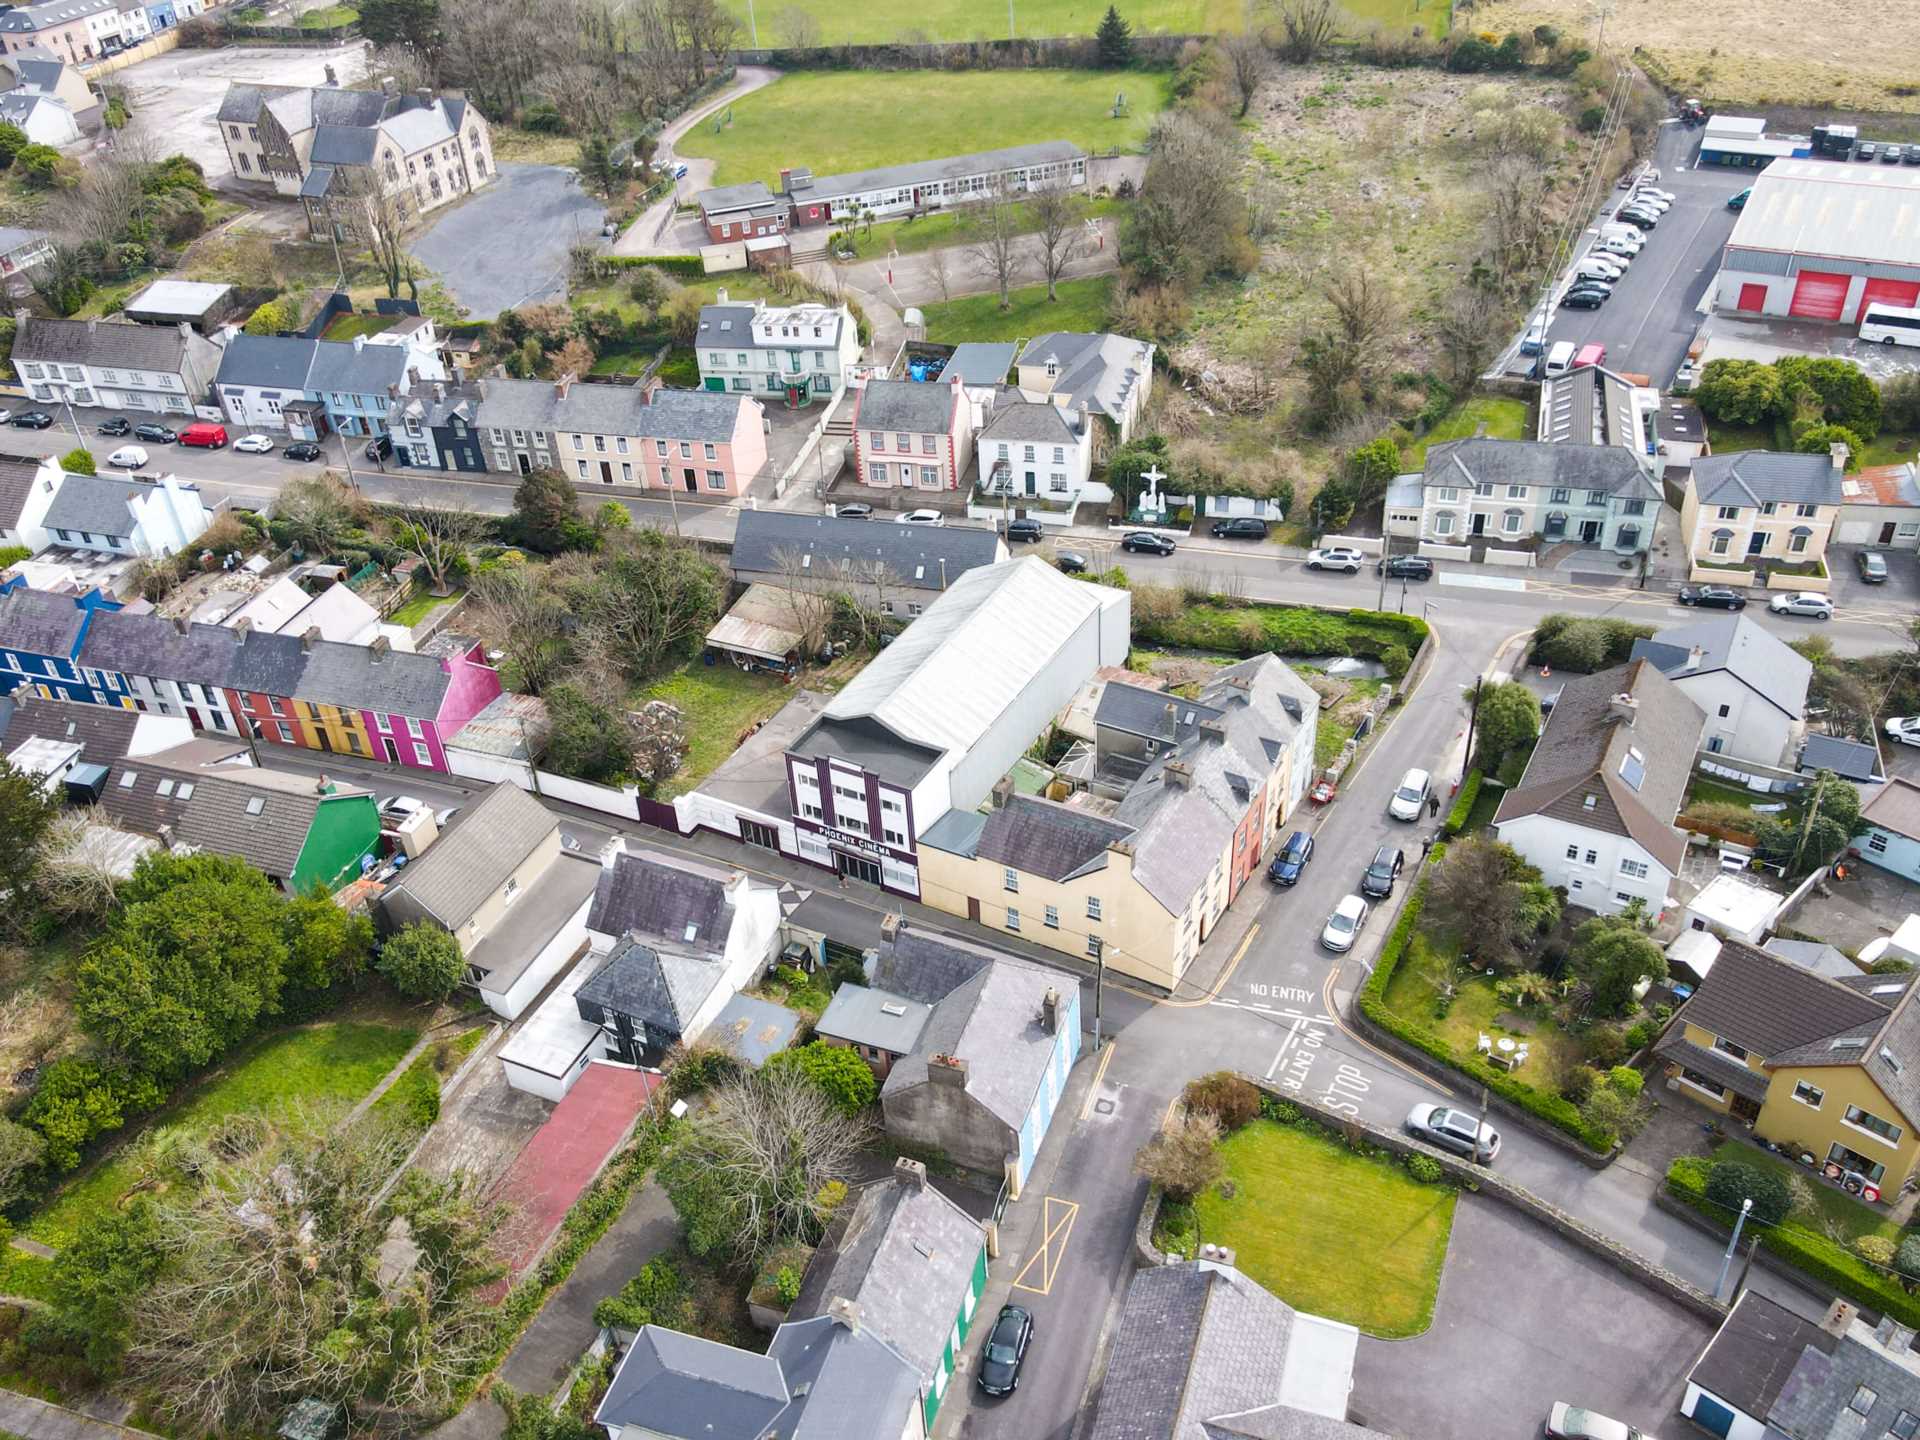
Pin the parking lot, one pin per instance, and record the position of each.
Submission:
(506, 245)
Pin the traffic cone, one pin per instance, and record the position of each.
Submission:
(1546, 671)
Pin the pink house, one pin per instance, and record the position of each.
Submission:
(702, 442)
(911, 435)
(390, 705)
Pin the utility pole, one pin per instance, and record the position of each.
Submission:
(1099, 993)
(1386, 554)
(753, 25)
(1813, 813)
(1473, 721)
(1746, 1209)
(1746, 1267)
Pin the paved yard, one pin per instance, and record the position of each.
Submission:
(1871, 903)
(508, 244)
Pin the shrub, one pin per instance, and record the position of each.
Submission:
(836, 1069)
(1183, 1157)
(1463, 803)
(1729, 1182)
(423, 962)
(1608, 1112)
(1875, 1250)
(699, 1068)
(1641, 1034)
(1906, 1258)
(271, 318)
(786, 1286)
(1606, 1046)
(1625, 1081)
(1425, 1169)
(1281, 1112)
(1815, 439)
(1225, 1096)
(655, 1296)
(1578, 1082)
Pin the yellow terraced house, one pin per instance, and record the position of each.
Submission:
(1827, 1066)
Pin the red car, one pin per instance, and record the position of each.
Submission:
(207, 437)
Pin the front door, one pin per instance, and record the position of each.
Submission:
(692, 484)
(1589, 531)
(325, 743)
(606, 472)
(393, 752)
(1741, 1108)
(526, 465)
(1886, 533)
(1756, 542)
(973, 909)
(1032, 488)
(1479, 524)
(856, 867)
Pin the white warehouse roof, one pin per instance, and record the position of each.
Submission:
(1869, 213)
(1747, 127)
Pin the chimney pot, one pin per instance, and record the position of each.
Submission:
(890, 927)
(1179, 773)
(1623, 707)
(180, 624)
(563, 384)
(1050, 1012)
(1840, 1315)
(359, 343)
(312, 634)
(379, 646)
(947, 1070)
(910, 1172)
(1838, 453)
(843, 1311)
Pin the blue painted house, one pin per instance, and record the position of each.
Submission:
(357, 384)
(1891, 838)
(40, 638)
(161, 14)
(972, 1046)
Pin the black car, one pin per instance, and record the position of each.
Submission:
(380, 447)
(1639, 219)
(1407, 567)
(302, 450)
(155, 434)
(1072, 562)
(1244, 527)
(1712, 597)
(854, 512)
(1584, 299)
(1872, 566)
(1006, 1347)
(1385, 869)
(32, 420)
(1147, 543)
(118, 425)
(1025, 528)
(1292, 859)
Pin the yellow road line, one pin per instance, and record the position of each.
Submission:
(1225, 975)
(1053, 1246)
(1326, 996)
(1106, 1059)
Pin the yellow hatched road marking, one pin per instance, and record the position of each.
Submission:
(1058, 1217)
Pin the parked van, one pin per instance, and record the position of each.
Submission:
(1590, 355)
(1596, 268)
(1620, 230)
(207, 437)
(1559, 359)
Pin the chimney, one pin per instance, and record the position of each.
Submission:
(378, 648)
(322, 786)
(306, 640)
(891, 925)
(611, 852)
(1838, 452)
(333, 80)
(180, 624)
(386, 85)
(563, 384)
(1002, 792)
(947, 1070)
(1213, 728)
(843, 1311)
(425, 96)
(910, 1173)
(1623, 707)
(439, 391)
(1179, 774)
(720, 295)
(359, 343)
(786, 180)
(1694, 657)
(1212, 1256)
(1050, 1012)
(1840, 1316)
(242, 628)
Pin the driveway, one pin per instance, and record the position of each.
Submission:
(507, 245)
(1525, 1319)
(644, 236)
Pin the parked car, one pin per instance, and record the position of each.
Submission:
(128, 457)
(1596, 270)
(678, 169)
(922, 517)
(1872, 566)
(1336, 557)
(1593, 354)
(253, 445)
(400, 808)
(1407, 567)
(1072, 562)
(1647, 200)
(1685, 376)
(32, 420)
(1666, 195)
(1866, 150)
(1293, 856)
(1594, 282)
(1343, 927)
(1006, 1347)
(5, 415)
(1570, 1422)
(1584, 299)
(1458, 1131)
(1913, 155)
(1241, 527)
(1640, 219)
(1147, 543)
(1408, 801)
(302, 450)
(857, 511)
(1712, 597)
(1025, 528)
(380, 447)
(204, 436)
(1905, 729)
(1535, 340)
(155, 434)
(1802, 602)
(444, 818)
(1892, 155)
(118, 425)
(1377, 882)
(1739, 202)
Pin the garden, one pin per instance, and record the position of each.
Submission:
(1079, 305)
(1805, 404)
(1331, 1225)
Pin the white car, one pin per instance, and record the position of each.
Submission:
(1411, 798)
(127, 457)
(1651, 201)
(922, 517)
(1344, 925)
(401, 808)
(1596, 271)
(1802, 602)
(1336, 557)
(1629, 243)
(253, 445)
(1666, 195)
(1614, 265)
(1905, 729)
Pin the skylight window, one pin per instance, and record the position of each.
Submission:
(166, 787)
(1893, 1061)
(128, 778)
(1633, 769)
(1888, 989)
(256, 805)
(692, 931)
(1848, 1042)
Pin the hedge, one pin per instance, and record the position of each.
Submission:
(1463, 805)
(1813, 1255)
(1555, 1110)
(1288, 630)
(690, 266)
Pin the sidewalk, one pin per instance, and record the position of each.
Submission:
(32, 1419)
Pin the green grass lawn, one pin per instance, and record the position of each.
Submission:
(949, 227)
(836, 121)
(1431, 15)
(1082, 306)
(1331, 1232)
(419, 607)
(720, 701)
(970, 20)
(1725, 439)
(1505, 419)
(329, 17)
(1833, 1210)
(1701, 789)
(1477, 1010)
(347, 327)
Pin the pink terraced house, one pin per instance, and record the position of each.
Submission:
(911, 434)
(388, 704)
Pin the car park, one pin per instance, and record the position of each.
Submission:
(253, 445)
(1025, 528)
(118, 425)
(1006, 1347)
(1460, 1131)
(1336, 557)
(128, 457)
(1071, 562)
(1806, 603)
(1712, 597)
(1872, 566)
(1407, 567)
(1145, 542)
(302, 450)
(32, 420)
(1904, 729)
(1382, 872)
(853, 512)
(1293, 856)
(1584, 299)
(922, 517)
(155, 434)
(1240, 527)
(1411, 798)
(1344, 925)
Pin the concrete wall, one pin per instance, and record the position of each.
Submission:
(945, 1116)
(1522, 559)
(569, 942)
(1707, 575)
(1820, 584)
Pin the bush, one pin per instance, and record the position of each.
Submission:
(1225, 1096)
(656, 1296)
(1906, 1258)
(1183, 1157)
(1583, 645)
(1281, 1112)
(1625, 1081)
(271, 318)
(699, 1068)
(1463, 803)
(846, 1078)
(1730, 1182)
(39, 165)
(78, 1101)
(1606, 1046)
(422, 961)
(78, 461)
(1875, 1250)
(1641, 1034)
(1425, 1169)
(1815, 440)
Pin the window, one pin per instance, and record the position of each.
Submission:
(1013, 918)
(1877, 842)
(1702, 1082)
(1727, 1047)
(1593, 857)
(929, 477)
(600, 444)
(1727, 512)
(1510, 522)
(1798, 543)
(512, 892)
(1516, 492)
(1561, 496)
(256, 805)
(1057, 483)
(1866, 1120)
(1573, 852)
(876, 474)
(1634, 507)
(1093, 907)
(1863, 1398)
(1053, 917)
(1010, 880)
(1767, 507)
(660, 448)
(1446, 494)
(710, 453)
(716, 479)
(906, 442)
(1443, 524)
(579, 442)
(1483, 487)
(165, 788)
(1805, 512)
(1093, 947)
(1634, 869)
(686, 450)
(1903, 1426)
(581, 467)
(620, 444)
(1721, 543)
(1808, 1095)
(128, 778)
(626, 470)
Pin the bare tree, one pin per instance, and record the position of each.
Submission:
(1246, 60)
(1183, 1156)
(81, 871)
(1517, 220)
(94, 214)
(377, 213)
(1058, 218)
(797, 28)
(807, 596)
(437, 532)
(940, 271)
(409, 68)
(1466, 331)
(516, 615)
(318, 511)
(706, 30)
(1307, 28)
(995, 250)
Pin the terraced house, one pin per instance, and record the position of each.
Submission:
(800, 352)
(41, 635)
(113, 365)
(1510, 491)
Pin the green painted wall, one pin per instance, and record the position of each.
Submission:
(976, 1286)
(344, 828)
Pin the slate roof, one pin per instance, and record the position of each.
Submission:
(1042, 837)
(1756, 1349)
(16, 484)
(661, 989)
(1817, 1395)
(98, 504)
(728, 198)
(340, 145)
(908, 406)
(392, 682)
(926, 557)
(29, 18)
(102, 733)
(1817, 956)
(1030, 422)
(1849, 759)
(861, 1015)
(608, 410)
(280, 362)
(1150, 714)
(732, 326)
(639, 895)
(267, 664)
(39, 622)
(690, 1388)
(1098, 370)
(124, 345)
(18, 105)
(1752, 477)
(474, 858)
(847, 1383)
(1739, 1078)
(1746, 650)
(154, 646)
(242, 102)
(1583, 750)
(926, 172)
(1895, 806)
(1574, 466)
(979, 362)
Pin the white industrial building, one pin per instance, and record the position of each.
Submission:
(1821, 240)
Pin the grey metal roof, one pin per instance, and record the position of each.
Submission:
(1570, 465)
(1043, 837)
(662, 989)
(847, 1382)
(16, 484)
(866, 743)
(1751, 653)
(1816, 956)
(690, 1388)
(105, 342)
(1030, 422)
(925, 557)
(1098, 369)
(1849, 759)
(924, 172)
(908, 406)
(475, 858)
(1755, 477)
(860, 1015)
(362, 677)
(99, 504)
(728, 198)
(1756, 1349)
(754, 1029)
(957, 832)
(39, 622)
(978, 362)
(640, 895)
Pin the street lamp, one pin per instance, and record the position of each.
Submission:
(1746, 1208)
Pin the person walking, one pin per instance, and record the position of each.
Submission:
(1433, 805)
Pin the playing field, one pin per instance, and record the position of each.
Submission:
(833, 122)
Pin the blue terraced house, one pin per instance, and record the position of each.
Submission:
(40, 638)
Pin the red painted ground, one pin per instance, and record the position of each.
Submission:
(567, 1152)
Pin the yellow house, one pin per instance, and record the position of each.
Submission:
(1826, 1066)
(1759, 506)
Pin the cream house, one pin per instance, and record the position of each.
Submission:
(1754, 506)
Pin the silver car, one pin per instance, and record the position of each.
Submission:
(1802, 602)
(1456, 1130)
(1411, 797)
(1571, 1422)
(1344, 925)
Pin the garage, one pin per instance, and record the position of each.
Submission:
(1902, 293)
(1753, 297)
(1819, 295)
(1855, 532)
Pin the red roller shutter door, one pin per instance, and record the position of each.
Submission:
(1753, 297)
(1903, 293)
(1820, 295)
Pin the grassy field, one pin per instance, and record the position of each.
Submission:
(1478, 1010)
(1834, 1213)
(329, 17)
(952, 227)
(970, 20)
(1505, 419)
(1886, 448)
(1330, 1232)
(721, 701)
(1082, 306)
(347, 327)
(419, 607)
(835, 121)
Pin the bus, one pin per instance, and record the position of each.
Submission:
(1890, 325)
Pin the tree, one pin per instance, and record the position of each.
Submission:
(327, 945)
(379, 216)
(1181, 229)
(27, 811)
(533, 627)
(1183, 1156)
(1467, 331)
(78, 461)
(1246, 66)
(1371, 468)
(840, 1072)
(1900, 402)
(646, 597)
(748, 1173)
(185, 971)
(586, 739)
(1844, 392)
(573, 359)
(546, 513)
(995, 250)
(683, 315)
(1509, 721)
(422, 961)
(1820, 440)
(597, 165)
(410, 23)
(797, 28)
(275, 317)
(1474, 900)
(439, 533)
(1740, 392)
(99, 1274)
(1815, 827)
(1128, 465)
(77, 1101)
(939, 271)
(1113, 40)
(80, 874)
(1307, 28)
(1611, 955)
(23, 1154)
(12, 141)
(315, 513)
(1732, 1182)
(1058, 219)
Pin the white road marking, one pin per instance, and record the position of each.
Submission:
(1480, 582)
